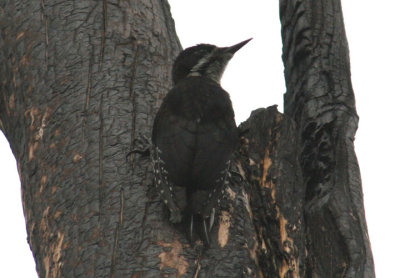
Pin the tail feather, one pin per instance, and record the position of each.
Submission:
(194, 207)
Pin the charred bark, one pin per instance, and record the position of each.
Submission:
(80, 84)
(268, 158)
(320, 99)
(80, 80)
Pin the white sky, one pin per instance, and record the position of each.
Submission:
(254, 78)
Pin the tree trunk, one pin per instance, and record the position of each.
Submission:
(80, 84)
(320, 99)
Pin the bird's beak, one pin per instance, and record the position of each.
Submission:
(232, 49)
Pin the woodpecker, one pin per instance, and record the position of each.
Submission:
(194, 135)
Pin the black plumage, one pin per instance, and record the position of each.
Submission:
(194, 135)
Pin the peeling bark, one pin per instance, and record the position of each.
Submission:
(80, 84)
(269, 158)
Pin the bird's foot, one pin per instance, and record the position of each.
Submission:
(142, 145)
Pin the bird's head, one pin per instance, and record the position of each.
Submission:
(204, 60)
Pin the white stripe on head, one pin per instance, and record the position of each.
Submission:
(195, 70)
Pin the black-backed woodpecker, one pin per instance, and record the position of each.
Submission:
(194, 136)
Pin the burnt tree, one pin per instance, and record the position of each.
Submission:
(80, 84)
(320, 100)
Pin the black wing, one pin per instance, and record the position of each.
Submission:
(196, 134)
